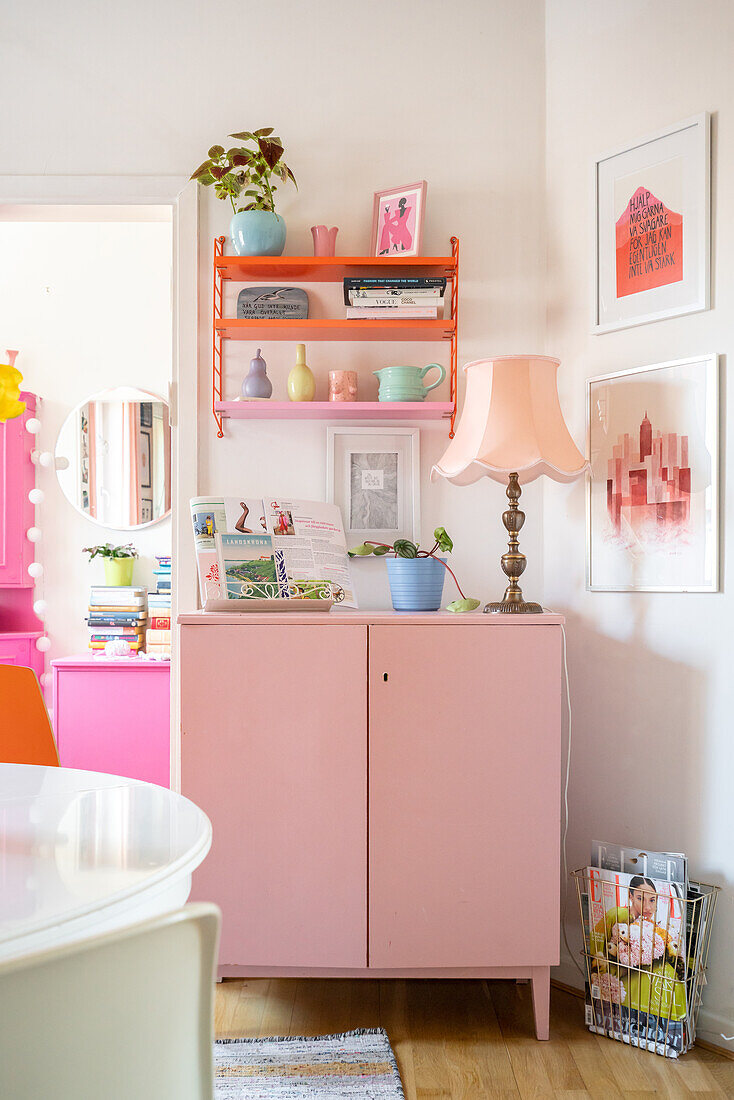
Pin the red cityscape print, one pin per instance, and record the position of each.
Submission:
(649, 487)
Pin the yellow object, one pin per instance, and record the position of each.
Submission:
(301, 382)
(10, 380)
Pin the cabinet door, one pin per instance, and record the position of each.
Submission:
(115, 720)
(464, 762)
(274, 750)
(17, 475)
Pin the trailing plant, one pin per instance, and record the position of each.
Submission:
(107, 550)
(247, 172)
(404, 548)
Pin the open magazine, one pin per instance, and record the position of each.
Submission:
(637, 945)
(249, 549)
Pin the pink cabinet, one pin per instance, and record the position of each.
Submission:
(113, 716)
(273, 744)
(384, 792)
(20, 649)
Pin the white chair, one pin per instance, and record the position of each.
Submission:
(124, 1016)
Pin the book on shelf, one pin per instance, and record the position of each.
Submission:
(135, 646)
(406, 284)
(160, 637)
(159, 622)
(392, 296)
(105, 617)
(117, 631)
(391, 313)
(114, 595)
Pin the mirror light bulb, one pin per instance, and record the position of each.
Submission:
(33, 534)
(35, 569)
(43, 644)
(46, 459)
(33, 425)
(36, 496)
(45, 678)
(40, 607)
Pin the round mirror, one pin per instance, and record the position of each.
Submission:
(118, 447)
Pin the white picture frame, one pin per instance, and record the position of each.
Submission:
(653, 434)
(373, 475)
(652, 231)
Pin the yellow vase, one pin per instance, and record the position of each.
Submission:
(301, 382)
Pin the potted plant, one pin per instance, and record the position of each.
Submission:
(255, 229)
(118, 561)
(416, 576)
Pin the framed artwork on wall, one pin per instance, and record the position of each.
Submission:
(653, 491)
(653, 227)
(146, 510)
(374, 477)
(146, 414)
(397, 220)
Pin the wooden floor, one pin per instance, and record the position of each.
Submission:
(460, 1040)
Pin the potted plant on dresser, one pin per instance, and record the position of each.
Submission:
(255, 229)
(416, 576)
(118, 562)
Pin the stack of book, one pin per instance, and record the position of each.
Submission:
(117, 613)
(380, 298)
(158, 637)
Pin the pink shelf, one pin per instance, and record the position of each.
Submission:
(334, 410)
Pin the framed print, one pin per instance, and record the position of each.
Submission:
(397, 220)
(653, 491)
(146, 510)
(146, 414)
(653, 227)
(146, 476)
(374, 477)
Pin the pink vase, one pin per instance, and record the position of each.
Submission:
(324, 240)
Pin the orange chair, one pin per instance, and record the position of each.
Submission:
(26, 736)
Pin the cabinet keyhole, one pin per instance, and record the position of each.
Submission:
(384, 676)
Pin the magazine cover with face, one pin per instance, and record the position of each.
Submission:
(636, 953)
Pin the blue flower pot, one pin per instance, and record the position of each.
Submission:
(257, 233)
(416, 584)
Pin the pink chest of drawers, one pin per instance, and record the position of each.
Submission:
(113, 716)
(384, 792)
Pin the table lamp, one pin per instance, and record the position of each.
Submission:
(511, 429)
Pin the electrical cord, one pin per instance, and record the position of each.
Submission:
(564, 908)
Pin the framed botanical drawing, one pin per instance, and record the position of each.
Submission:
(653, 227)
(374, 477)
(653, 491)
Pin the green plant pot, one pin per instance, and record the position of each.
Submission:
(118, 571)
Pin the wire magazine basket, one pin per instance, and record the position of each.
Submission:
(645, 968)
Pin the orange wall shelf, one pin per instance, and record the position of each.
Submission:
(332, 269)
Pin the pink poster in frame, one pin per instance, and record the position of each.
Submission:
(397, 220)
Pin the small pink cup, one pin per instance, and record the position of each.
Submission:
(342, 385)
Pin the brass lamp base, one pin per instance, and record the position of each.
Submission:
(513, 562)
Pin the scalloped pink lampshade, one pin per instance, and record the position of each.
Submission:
(511, 423)
(511, 429)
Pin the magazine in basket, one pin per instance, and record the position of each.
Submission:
(636, 960)
(254, 549)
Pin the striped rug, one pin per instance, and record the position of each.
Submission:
(356, 1065)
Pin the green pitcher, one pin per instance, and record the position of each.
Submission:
(406, 383)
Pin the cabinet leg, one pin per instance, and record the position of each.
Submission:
(541, 1000)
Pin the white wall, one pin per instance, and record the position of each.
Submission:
(651, 675)
(363, 98)
(88, 305)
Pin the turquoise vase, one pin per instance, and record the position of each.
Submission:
(257, 233)
(416, 584)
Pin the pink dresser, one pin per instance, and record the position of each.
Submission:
(113, 715)
(19, 627)
(384, 792)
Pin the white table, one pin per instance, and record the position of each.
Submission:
(82, 853)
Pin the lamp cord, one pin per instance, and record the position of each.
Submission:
(564, 908)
